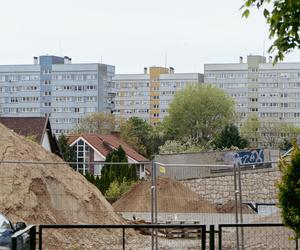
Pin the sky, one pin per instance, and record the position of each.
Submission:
(132, 34)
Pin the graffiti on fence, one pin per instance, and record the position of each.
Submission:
(253, 156)
(245, 157)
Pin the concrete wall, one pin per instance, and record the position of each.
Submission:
(258, 186)
(212, 158)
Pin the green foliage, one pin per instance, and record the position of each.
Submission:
(141, 136)
(68, 153)
(229, 137)
(250, 130)
(289, 191)
(285, 144)
(197, 114)
(116, 189)
(269, 132)
(173, 147)
(116, 172)
(114, 177)
(283, 19)
(32, 137)
(97, 123)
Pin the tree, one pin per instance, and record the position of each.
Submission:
(289, 191)
(198, 113)
(141, 136)
(271, 130)
(173, 147)
(250, 130)
(229, 137)
(97, 123)
(68, 153)
(283, 19)
(268, 132)
(116, 172)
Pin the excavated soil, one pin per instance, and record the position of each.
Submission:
(52, 194)
(173, 197)
(229, 207)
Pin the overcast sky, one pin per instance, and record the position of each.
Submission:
(132, 34)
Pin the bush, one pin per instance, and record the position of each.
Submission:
(117, 189)
(289, 191)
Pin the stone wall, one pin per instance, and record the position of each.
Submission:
(258, 186)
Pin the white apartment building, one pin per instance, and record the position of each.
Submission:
(270, 91)
(56, 87)
(148, 95)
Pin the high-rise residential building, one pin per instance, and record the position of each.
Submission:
(148, 95)
(270, 91)
(56, 87)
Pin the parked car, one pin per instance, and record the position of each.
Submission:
(7, 229)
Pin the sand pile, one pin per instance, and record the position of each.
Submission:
(173, 197)
(229, 207)
(47, 194)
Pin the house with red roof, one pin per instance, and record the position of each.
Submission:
(37, 129)
(92, 149)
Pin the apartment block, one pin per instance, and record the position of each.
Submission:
(56, 87)
(148, 95)
(270, 91)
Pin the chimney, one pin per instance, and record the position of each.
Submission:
(171, 70)
(241, 59)
(145, 71)
(270, 59)
(115, 134)
(35, 60)
(66, 60)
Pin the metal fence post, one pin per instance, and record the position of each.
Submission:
(152, 204)
(241, 204)
(212, 237)
(123, 238)
(203, 237)
(236, 205)
(220, 237)
(13, 243)
(32, 233)
(40, 237)
(155, 204)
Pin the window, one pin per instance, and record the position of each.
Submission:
(47, 104)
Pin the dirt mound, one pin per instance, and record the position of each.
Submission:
(48, 193)
(173, 197)
(229, 207)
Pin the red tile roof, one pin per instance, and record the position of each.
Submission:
(105, 143)
(26, 126)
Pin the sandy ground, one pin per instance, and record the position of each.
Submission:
(172, 197)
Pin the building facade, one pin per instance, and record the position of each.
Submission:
(272, 92)
(91, 152)
(56, 87)
(148, 95)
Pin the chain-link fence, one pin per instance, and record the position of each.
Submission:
(122, 237)
(256, 237)
(51, 192)
(214, 194)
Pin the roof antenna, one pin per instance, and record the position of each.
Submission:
(166, 59)
(59, 47)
